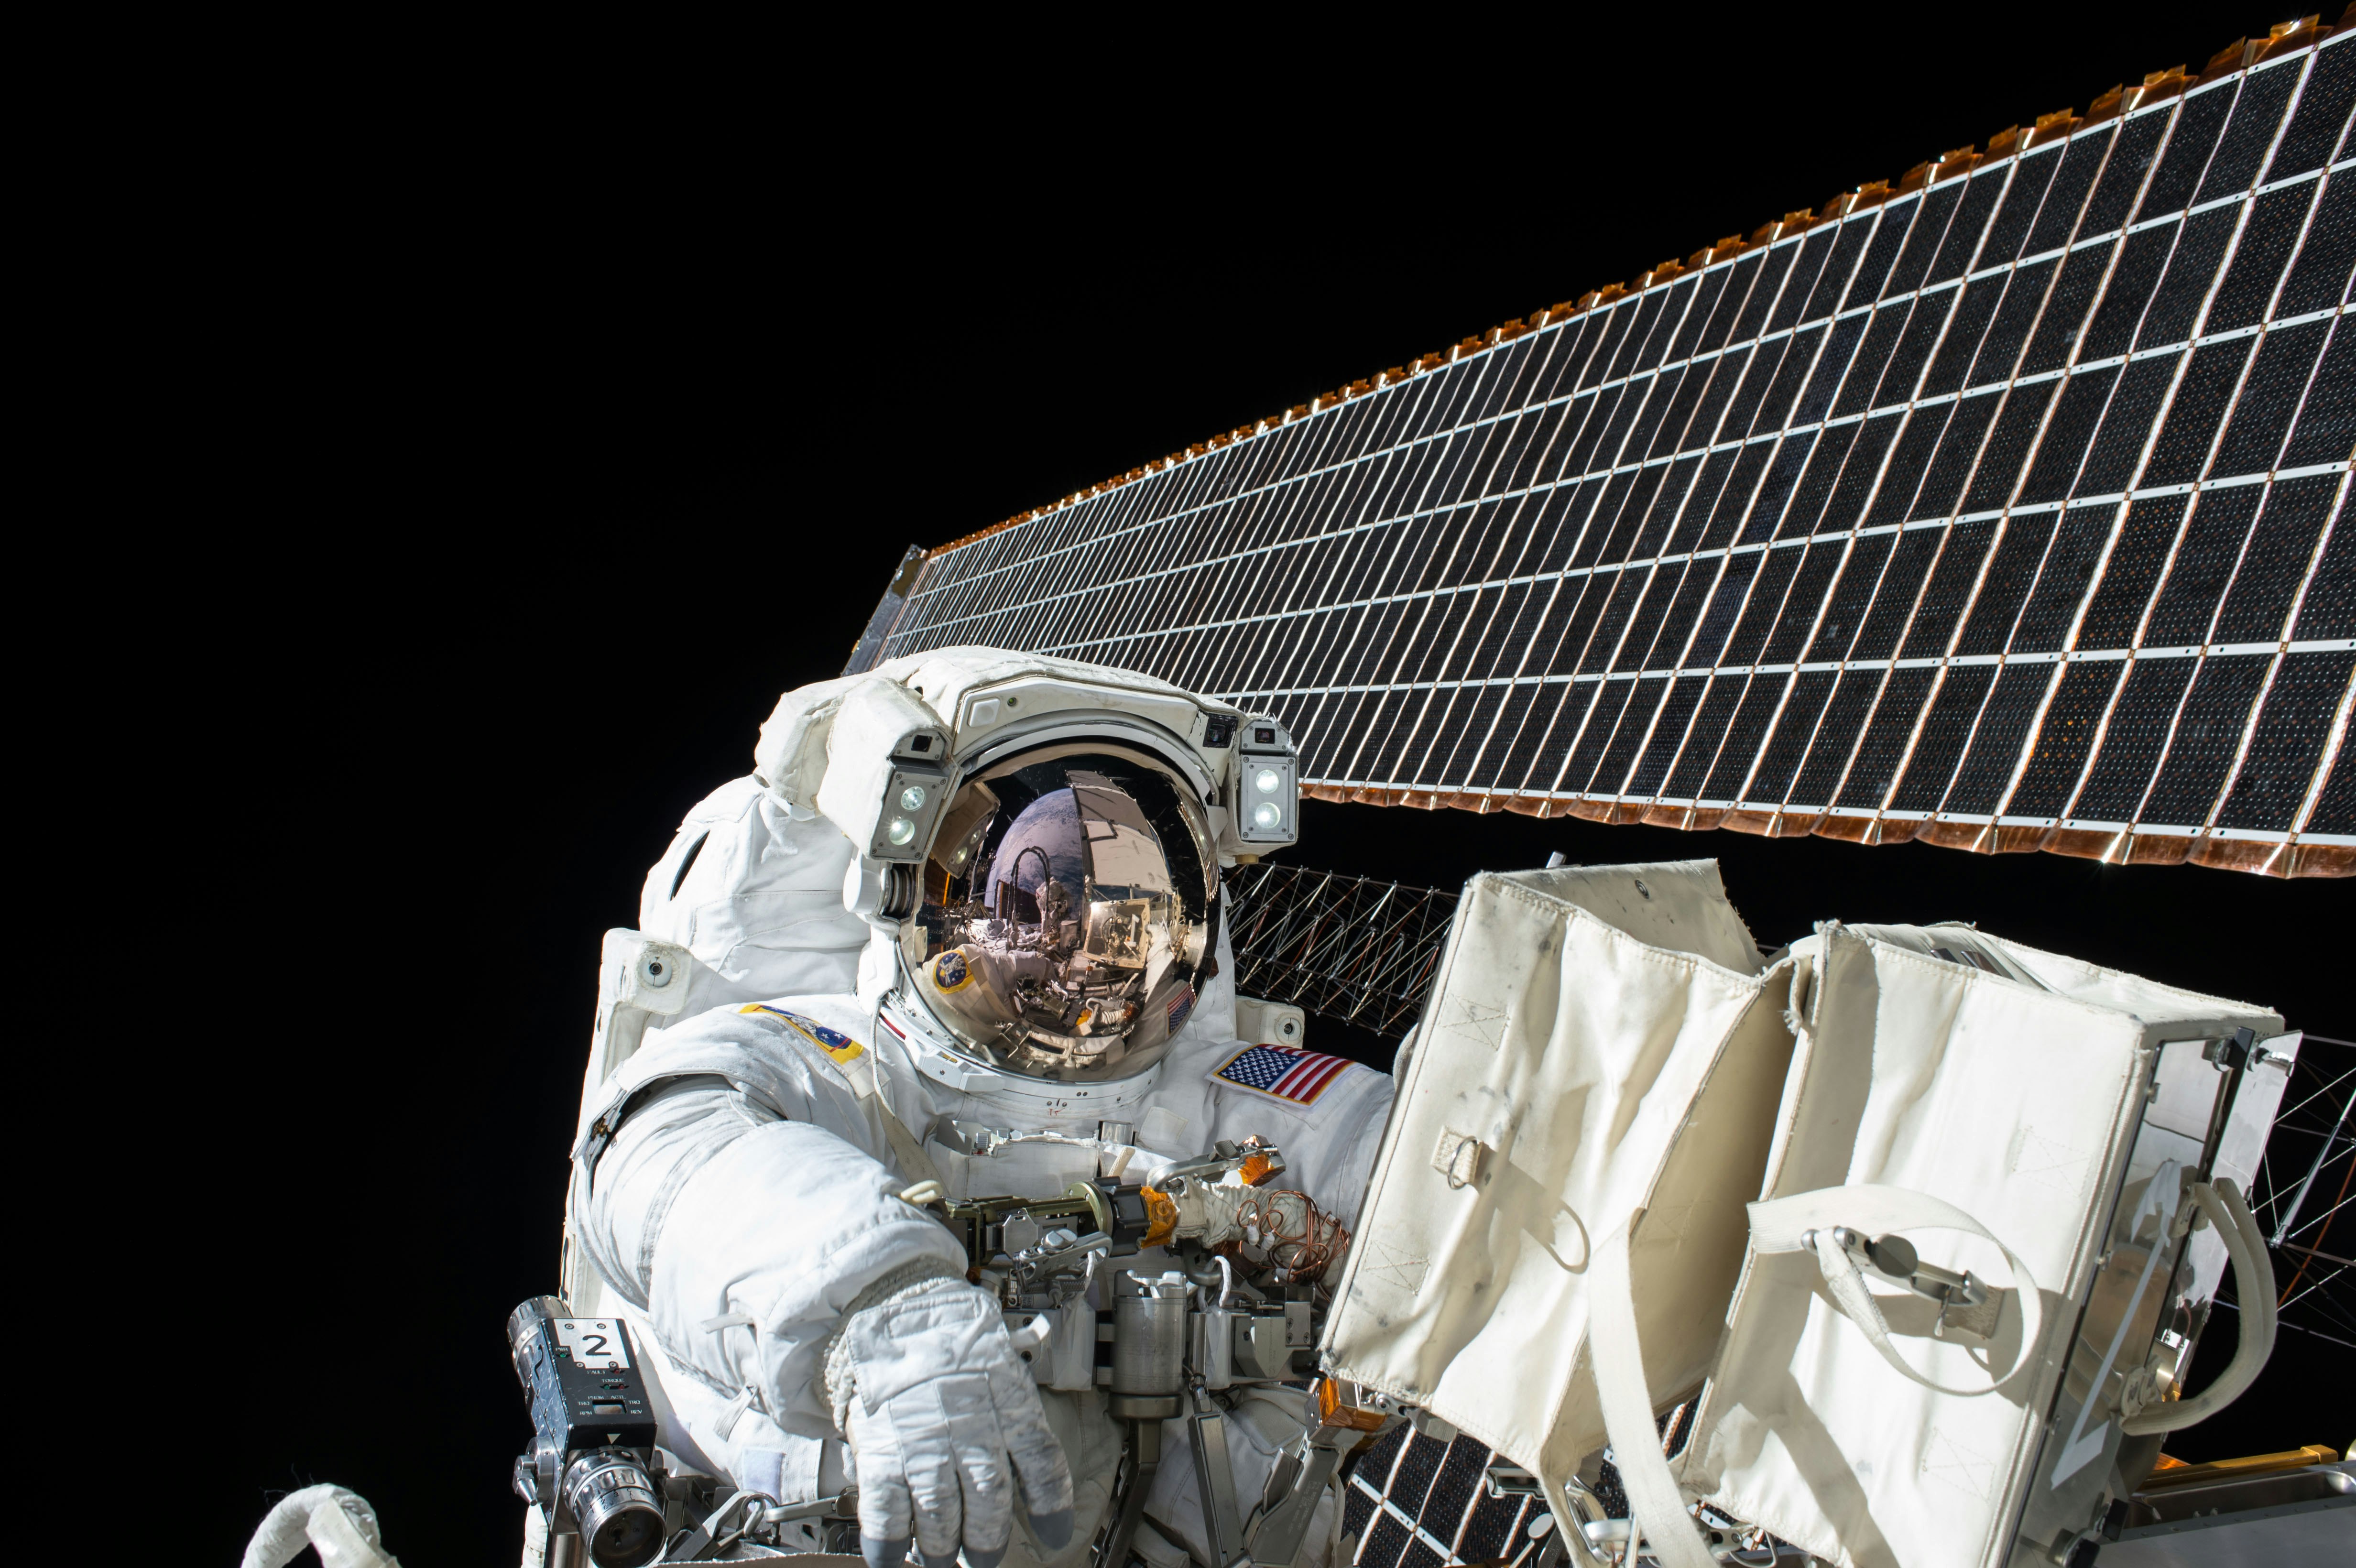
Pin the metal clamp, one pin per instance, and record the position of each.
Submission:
(1894, 1259)
(716, 1534)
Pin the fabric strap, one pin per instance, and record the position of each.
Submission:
(2254, 1282)
(1779, 1225)
(1776, 1226)
(1653, 1495)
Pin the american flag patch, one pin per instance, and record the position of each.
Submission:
(1281, 1072)
(1182, 1006)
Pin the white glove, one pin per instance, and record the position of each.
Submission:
(938, 1411)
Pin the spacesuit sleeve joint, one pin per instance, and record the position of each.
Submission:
(602, 1131)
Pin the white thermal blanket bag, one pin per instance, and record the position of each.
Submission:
(1598, 1040)
(1984, 1100)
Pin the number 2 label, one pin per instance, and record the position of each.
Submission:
(596, 1343)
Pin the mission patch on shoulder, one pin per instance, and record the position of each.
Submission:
(833, 1042)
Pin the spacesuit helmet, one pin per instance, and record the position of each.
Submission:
(1068, 904)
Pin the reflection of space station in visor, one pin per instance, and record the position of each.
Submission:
(2001, 506)
(1052, 921)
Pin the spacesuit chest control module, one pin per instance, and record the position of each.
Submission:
(922, 1182)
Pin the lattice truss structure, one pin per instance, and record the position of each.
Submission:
(2302, 1197)
(1357, 951)
(2003, 507)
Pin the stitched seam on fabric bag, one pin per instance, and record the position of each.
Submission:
(1418, 1064)
(2208, 1003)
(1563, 908)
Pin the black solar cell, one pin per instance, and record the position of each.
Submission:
(2061, 449)
(1629, 736)
(2320, 120)
(2335, 804)
(2184, 288)
(1836, 737)
(2208, 735)
(2326, 428)
(1883, 748)
(1958, 454)
(2135, 737)
(2117, 452)
(2250, 133)
(1891, 223)
(1700, 753)
(1787, 743)
(1669, 729)
(2009, 445)
(2125, 172)
(1967, 322)
(2129, 293)
(2063, 578)
(2279, 764)
(1744, 734)
(1387, 1541)
(2005, 720)
(2024, 301)
(2065, 198)
(2189, 143)
(1959, 251)
(2269, 399)
(2011, 572)
(2018, 212)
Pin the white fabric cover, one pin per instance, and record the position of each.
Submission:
(1598, 1040)
(2007, 1084)
(761, 903)
(334, 1521)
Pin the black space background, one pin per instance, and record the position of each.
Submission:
(512, 431)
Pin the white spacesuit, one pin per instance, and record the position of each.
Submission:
(957, 936)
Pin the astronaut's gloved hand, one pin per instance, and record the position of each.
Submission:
(944, 1420)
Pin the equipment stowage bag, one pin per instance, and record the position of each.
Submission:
(1599, 1040)
(1964, 1105)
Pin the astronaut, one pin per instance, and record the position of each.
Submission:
(957, 936)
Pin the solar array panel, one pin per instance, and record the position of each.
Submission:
(2002, 508)
(1415, 1499)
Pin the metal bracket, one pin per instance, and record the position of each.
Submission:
(1965, 1302)
(1221, 1521)
(1276, 1541)
(980, 1142)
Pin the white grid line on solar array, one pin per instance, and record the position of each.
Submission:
(1309, 541)
(1978, 390)
(1415, 1529)
(1384, 458)
(1599, 568)
(1663, 370)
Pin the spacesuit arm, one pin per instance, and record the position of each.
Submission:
(743, 1235)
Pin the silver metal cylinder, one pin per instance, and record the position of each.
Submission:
(1149, 1342)
(620, 1515)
